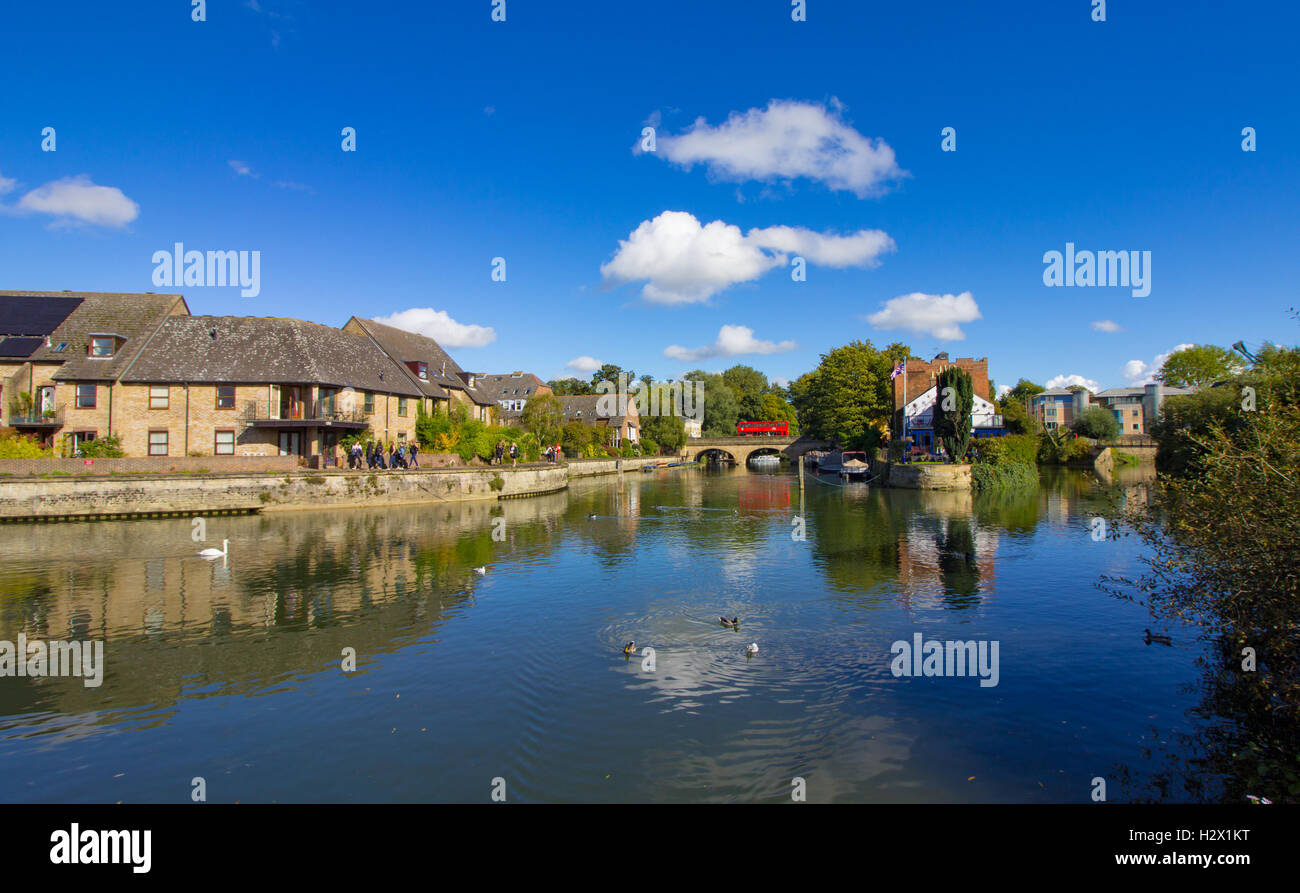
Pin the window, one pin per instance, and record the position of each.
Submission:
(225, 396)
(85, 396)
(157, 443)
(61, 347)
(158, 396)
(401, 406)
(225, 444)
(101, 346)
(370, 402)
(79, 438)
(422, 370)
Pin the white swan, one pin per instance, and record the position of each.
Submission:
(751, 649)
(480, 570)
(216, 553)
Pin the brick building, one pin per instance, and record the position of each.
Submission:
(916, 393)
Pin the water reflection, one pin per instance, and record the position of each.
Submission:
(233, 667)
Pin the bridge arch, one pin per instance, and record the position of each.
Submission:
(741, 448)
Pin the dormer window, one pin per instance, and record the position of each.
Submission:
(102, 346)
(422, 370)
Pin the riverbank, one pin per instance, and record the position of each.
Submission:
(67, 496)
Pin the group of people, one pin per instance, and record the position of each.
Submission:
(504, 452)
(554, 453)
(373, 455)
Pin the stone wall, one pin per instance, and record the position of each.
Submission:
(142, 465)
(73, 497)
(587, 467)
(929, 477)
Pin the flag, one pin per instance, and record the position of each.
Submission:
(898, 370)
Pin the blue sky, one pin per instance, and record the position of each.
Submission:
(518, 139)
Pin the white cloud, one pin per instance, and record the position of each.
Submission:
(437, 325)
(1003, 390)
(732, 341)
(786, 141)
(584, 364)
(6, 184)
(241, 169)
(685, 262)
(778, 381)
(936, 315)
(1138, 373)
(1064, 381)
(78, 200)
(1106, 325)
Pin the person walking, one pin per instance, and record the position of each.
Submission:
(499, 452)
(514, 454)
(401, 454)
(415, 449)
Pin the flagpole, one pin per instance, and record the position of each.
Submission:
(905, 449)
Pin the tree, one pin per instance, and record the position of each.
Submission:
(721, 411)
(609, 372)
(849, 396)
(1096, 422)
(1025, 389)
(748, 385)
(570, 387)
(543, 415)
(952, 411)
(667, 431)
(1199, 366)
(775, 408)
(1015, 417)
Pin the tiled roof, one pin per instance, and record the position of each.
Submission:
(510, 385)
(587, 408)
(404, 346)
(135, 317)
(257, 349)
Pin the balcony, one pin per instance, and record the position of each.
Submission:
(306, 414)
(49, 420)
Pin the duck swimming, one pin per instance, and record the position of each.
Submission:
(751, 649)
(591, 517)
(216, 553)
(1158, 639)
(481, 570)
(734, 621)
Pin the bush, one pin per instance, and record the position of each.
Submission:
(649, 447)
(987, 476)
(18, 446)
(1014, 449)
(107, 447)
(1096, 422)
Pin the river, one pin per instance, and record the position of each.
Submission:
(515, 680)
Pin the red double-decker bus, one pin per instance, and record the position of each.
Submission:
(778, 429)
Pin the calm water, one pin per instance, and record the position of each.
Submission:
(231, 670)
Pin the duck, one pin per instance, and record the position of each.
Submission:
(629, 647)
(751, 649)
(734, 621)
(1158, 639)
(216, 553)
(591, 517)
(481, 570)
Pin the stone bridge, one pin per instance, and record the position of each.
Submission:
(741, 448)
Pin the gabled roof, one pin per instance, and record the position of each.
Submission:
(265, 349)
(132, 317)
(587, 408)
(404, 347)
(510, 385)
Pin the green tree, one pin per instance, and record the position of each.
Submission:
(1096, 422)
(1015, 417)
(570, 387)
(668, 431)
(1199, 366)
(952, 411)
(543, 415)
(775, 408)
(1024, 389)
(721, 411)
(748, 385)
(609, 372)
(849, 397)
